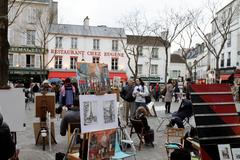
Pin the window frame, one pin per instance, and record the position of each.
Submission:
(31, 37)
(58, 42)
(114, 64)
(57, 64)
(96, 44)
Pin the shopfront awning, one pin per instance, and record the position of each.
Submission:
(122, 75)
(237, 75)
(224, 77)
(61, 74)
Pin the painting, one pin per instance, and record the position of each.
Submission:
(236, 153)
(225, 152)
(101, 144)
(98, 112)
(92, 77)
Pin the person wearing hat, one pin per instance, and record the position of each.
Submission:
(46, 86)
(7, 146)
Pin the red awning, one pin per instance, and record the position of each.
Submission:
(224, 77)
(236, 75)
(60, 74)
(122, 75)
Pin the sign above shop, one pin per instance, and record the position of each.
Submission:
(25, 49)
(90, 53)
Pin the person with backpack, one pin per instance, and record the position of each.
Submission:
(67, 93)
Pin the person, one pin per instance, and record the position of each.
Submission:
(176, 92)
(67, 93)
(184, 111)
(127, 96)
(46, 87)
(71, 116)
(141, 114)
(7, 146)
(168, 96)
(156, 92)
(186, 88)
(140, 92)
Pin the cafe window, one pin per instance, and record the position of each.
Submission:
(96, 44)
(30, 61)
(114, 64)
(96, 59)
(58, 62)
(74, 43)
(115, 45)
(73, 61)
(58, 42)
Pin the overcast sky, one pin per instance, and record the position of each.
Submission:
(109, 12)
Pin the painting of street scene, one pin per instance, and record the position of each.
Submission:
(102, 144)
(90, 112)
(109, 111)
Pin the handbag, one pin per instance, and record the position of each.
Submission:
(148, 99)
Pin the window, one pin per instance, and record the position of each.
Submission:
(30, 61)
(229, 59)
(140, 50)
(229, 40)
(58, 42)
(114, 64)
(154, 69)
(154, 52)
(31, 37)
(32, 15)
(73, 61)
(10, 59)
(175, 73)
(74, 43)
(96, 59)
(140, 69)
(96, 44)
(58, 62)
(222, 60)
(115, 45)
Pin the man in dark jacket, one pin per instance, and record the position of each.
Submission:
(184, 111)
(7, 147)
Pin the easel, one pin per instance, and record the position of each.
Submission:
(45, 126)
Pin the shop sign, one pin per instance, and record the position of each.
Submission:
(25, 50)
(90, 53)
(155, 79)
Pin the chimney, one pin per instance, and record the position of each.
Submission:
(86, 22)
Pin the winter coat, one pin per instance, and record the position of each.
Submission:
(169, 93)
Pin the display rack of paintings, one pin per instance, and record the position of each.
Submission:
(92, 77)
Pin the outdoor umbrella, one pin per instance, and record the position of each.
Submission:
(55, 80)
(73, 79)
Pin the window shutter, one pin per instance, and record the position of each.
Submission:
(37, 61)
(23, 60)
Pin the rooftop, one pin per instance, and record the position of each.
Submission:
(145, 40)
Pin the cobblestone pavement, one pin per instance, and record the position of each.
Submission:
(30, 151)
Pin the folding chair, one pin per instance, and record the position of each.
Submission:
(162, 117)
(138, 128)
(175, 139)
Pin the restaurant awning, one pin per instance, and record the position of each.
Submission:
(61, 74)
(224, 77)
(237, 75)
(122, 75)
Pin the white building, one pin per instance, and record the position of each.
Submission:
(230, 55)
(151, 59)
(93, 44)
(25, 37)
(176, 67)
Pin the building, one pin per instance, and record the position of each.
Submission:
(25, 36)
(93, 44)
(151, 59)
(177, 67)
(230, 54)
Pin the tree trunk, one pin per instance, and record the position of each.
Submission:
(4, 45)
(217, 73)
(166, 65)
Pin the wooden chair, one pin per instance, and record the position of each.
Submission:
(138, 128)
(175, 139)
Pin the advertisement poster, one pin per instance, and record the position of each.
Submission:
(101, 144)
(236, 153)
(98, 112)
(92, 76)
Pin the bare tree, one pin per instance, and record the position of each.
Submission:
(4, 45)
(222, 22)
(15, 8)
(168, 28)
(137, 26)
(45, 18)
